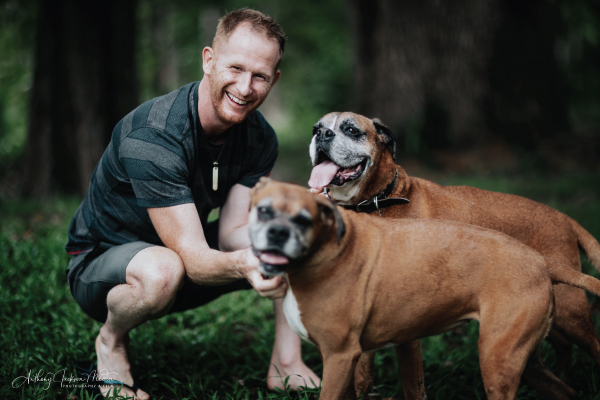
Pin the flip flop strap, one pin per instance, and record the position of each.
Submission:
(134, 386)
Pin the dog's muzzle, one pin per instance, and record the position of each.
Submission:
(276, 245)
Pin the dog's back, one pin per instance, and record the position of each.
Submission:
(440, 270)
(539, 226)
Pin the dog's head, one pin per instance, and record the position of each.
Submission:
(288, 223)
(345, 149)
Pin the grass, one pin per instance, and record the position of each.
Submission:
(222, 350)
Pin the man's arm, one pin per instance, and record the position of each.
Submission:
(180, 230)
(233, 219)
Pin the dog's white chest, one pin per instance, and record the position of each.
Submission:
(292, 314)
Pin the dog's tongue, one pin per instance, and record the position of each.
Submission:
(322, 174)
(273, 259)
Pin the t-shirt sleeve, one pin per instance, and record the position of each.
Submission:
(157, 170)
(266, 159)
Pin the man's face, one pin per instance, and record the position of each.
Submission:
(241, 71)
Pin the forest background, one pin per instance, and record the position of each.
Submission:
(499, 94)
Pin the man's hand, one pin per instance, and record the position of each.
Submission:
(273, 288)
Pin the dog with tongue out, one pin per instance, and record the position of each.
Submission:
(344, 150)
(352, 156)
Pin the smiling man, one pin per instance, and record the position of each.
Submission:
(141, 243)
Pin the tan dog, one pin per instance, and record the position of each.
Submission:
(358, 283)
(353, 158)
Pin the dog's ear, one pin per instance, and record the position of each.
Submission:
(328, 207)
(390, 138)
(262, 182)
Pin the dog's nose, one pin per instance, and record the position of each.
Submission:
(278, 234)
(329, 134)
(325, 135)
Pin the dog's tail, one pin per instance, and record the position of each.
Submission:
(588, 244)
(560, 273)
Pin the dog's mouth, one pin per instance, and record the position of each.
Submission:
(272, 262)
(326, 173)
(272, 257)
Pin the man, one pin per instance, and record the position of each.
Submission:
(140, 240)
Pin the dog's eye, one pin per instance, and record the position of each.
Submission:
(264, 213)
(302, 221)
(352, 131)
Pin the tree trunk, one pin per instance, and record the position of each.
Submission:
(528, 104)
(448, 72)
(84, 82)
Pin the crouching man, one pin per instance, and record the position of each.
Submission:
(140, 240)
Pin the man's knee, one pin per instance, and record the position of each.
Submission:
(158, 272)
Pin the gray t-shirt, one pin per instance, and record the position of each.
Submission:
(159, 156)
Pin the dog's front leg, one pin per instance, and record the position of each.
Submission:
(410, 364)
(363, 374)
(338, 375)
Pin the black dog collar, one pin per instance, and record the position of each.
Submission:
(377, 202)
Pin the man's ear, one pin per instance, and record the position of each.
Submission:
(390, 138)
(207, 60)
(276, 78)
(328, 207)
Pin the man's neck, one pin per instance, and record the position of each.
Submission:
(211, 123)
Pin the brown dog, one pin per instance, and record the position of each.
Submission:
(358, 283)
(353, 158)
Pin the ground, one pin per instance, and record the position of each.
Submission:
(222, 351)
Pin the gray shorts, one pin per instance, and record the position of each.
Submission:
(92, 275)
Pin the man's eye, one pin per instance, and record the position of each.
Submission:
(236, 68)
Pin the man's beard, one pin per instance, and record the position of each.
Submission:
(216, 90)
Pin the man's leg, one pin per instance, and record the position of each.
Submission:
(154, 275)
(286, 359)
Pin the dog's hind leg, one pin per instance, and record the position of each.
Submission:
(573, 322)
(564, 352)
(541, 379)
(510, 331)
(500, 368)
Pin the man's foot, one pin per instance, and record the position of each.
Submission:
(113, 363)
(300, 375)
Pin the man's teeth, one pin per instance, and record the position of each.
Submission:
(235, 99)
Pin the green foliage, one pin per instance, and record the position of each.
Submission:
(16, 70)
(316, 68)
(579, 52)
(222, 350)
(315, 71)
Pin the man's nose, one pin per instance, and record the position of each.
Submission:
(244, 85)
